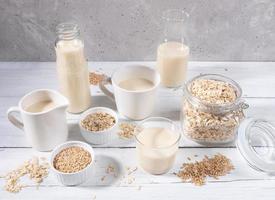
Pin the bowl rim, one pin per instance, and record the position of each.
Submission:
(60, 147)
(90, 111)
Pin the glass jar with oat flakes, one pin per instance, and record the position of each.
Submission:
(212, 109)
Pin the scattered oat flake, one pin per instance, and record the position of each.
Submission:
(197, 172)
(103, 178)
(110, 169)
(131, 179)
(195, 155)
(127, 178)
(132, 171)
(126, 130)
(36, 170)
(188, 158)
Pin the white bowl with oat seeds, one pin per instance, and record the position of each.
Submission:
(98, 125)
(69, 169)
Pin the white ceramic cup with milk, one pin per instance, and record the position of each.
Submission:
(134, 103)
(43, 118)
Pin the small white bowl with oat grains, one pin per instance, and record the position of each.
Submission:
(98, 125)
(72, 162)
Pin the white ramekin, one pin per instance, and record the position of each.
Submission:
(76, 178)
(99, 137)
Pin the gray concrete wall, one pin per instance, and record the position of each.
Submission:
(118, 30)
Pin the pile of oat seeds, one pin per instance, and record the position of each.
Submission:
(72, 159)
(197, 172)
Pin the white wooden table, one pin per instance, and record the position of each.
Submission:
(256, 79)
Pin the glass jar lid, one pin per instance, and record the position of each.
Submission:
(256, 143)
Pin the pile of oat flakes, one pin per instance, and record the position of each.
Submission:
(98, 121)
(36, 169)
(126, 130)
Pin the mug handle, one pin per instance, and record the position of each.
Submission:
(103, 88)
(14, 120)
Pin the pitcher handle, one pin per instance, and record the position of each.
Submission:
(12, 111)
(103, 88)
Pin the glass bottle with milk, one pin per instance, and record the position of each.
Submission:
(173, 53)
(72, 67)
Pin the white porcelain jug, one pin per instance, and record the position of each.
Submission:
(45, 129)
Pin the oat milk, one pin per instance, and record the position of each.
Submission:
(157, 149)
(136, 84)
(172, 60)
(40, 106)
(73, 74)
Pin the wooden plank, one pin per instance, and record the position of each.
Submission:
(242, 183)
(226, 191)
(166, 107)
(256, 79)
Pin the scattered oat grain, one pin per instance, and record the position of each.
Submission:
(103, 178)
(95, 78)
(131, 179)
(110, 169)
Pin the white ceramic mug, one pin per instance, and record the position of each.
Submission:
(46, 129)
(136, 105)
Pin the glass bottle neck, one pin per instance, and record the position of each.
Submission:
(174, 24)
(173, 31)
(67, 31)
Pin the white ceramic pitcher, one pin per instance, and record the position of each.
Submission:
(46, 129)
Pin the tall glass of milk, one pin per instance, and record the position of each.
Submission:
(157, 141)
(173, 53)
(72, 68)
